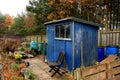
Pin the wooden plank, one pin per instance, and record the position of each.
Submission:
(114, 38)
(111, 68)
(114, 71)
(116, 78)
(78, 74)
(118, 39)
(115, 63)
(93, 69)
(107, 39)
(75, 75)
(99, 76)
(103, 39)
(99, 72)
(102, 31)
(110, 39)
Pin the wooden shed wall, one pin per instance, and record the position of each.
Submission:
(86, 43)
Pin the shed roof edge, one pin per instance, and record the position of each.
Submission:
(74, 19)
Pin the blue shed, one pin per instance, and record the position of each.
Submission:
(77, 38)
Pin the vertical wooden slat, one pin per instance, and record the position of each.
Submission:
(112, 39)
(117, 39)
(107, 39)
(104, 38)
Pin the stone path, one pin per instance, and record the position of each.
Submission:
(41, 70)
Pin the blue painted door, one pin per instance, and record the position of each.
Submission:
(66, 46)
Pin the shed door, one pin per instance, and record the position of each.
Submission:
(65, 45)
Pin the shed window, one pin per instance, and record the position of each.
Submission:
(62, 31)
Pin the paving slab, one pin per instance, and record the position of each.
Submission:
(41, 70)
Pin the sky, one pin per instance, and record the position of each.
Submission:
(13, 7)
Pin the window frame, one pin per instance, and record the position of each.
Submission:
(63, 38)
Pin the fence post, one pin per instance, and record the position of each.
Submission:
(74, 75)
(77, 74)
(108, 75)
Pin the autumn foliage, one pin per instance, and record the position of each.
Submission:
(8, 21)
(30, 20)
(61, 8)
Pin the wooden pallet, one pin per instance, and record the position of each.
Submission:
(107, 71)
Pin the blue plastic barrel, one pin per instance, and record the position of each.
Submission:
(100, 54)
(112, 50)
(33, 45)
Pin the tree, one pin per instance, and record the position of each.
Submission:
(30, 20)
(40, 10)
(19, 25)
(63, 8)
(8, 21)
(2, 20)
(113, 14)
(90, 10)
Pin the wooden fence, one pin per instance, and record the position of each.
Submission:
(108, 71)
(37, 38)
(109, 38)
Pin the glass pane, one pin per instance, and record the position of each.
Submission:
(62, 31)
(57, 32)
(67, 30)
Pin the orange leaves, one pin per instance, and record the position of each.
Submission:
(51, 16)
(30, 20)
(51, 2)
(62, 12)
(70, 1)
(62, 1)
(8, 21)
(61, 8)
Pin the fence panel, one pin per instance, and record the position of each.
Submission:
(108, 71)
(114, 70)
(93, 70)
(109, 38)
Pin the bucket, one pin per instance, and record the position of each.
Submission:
(112, 50)
(100, 54)
(33, 45)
